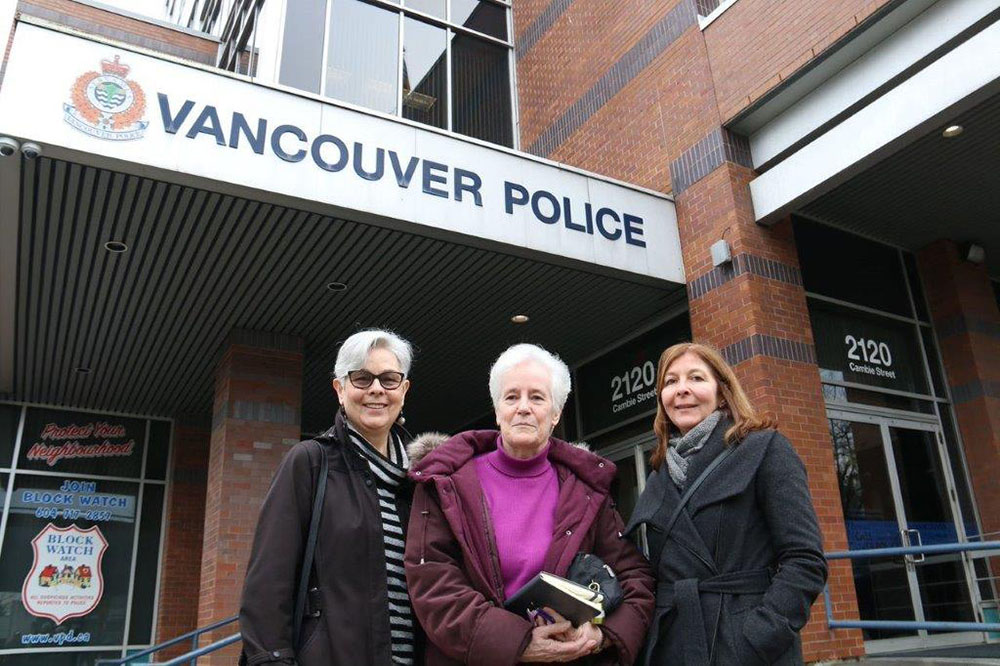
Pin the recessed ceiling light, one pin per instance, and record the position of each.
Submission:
(82, 370)
(336, 286)
(952, 131)
(519, 319)
(115, 246)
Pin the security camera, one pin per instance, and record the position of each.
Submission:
(8, 146)
(31, 150)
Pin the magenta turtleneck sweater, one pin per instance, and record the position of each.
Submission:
(522, 496)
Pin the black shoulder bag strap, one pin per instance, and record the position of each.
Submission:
(685, 498)
(307, 558)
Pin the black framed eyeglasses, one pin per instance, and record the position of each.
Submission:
(362, 379)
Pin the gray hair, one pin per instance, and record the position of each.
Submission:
(559, 380)
(354, 352)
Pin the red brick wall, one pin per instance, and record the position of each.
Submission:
(581, 45)
(180, 577)
(756, 44)
(525, 14)
(122, 28)
(967, 321)
(636, 135)
(244, 455)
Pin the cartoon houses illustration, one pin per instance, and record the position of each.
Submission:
(83, 575)
(47, 576)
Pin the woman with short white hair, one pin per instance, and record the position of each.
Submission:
(356, 609)
(493, 509)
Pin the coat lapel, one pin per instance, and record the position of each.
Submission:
(734, 474)
(662, 497)
(727, 480)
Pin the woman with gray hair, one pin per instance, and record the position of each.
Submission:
(493, 509)
(356, 609)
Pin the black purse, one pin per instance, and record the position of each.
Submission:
(590, 571)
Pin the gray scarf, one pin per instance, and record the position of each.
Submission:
(682, 448)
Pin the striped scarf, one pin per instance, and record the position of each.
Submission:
(682, 448)
(390, 473)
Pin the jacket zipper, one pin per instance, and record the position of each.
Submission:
(423, 535)
(494, 556)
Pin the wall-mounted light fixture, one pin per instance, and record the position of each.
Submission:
(721, 254)
(974, 253)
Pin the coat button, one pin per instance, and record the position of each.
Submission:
(600, 464)
(368, 482)
(569, 532)
(417, 473)
(275, 654)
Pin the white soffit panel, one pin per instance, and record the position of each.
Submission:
(889, 58)
(946, 87)
(189, 120)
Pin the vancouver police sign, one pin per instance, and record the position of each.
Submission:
(209, 125)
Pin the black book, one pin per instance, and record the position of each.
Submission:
(573, 601)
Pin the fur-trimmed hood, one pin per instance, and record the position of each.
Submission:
(434, 454)
(426, 442)
(423, 444)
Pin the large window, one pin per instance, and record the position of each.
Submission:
(444, 63)
(874, 340)
(81, 500)
(901, 468)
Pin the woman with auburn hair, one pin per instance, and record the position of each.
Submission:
(732, 534)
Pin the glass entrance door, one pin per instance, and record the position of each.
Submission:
(896, 491)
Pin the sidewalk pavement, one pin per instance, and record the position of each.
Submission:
(915, 661)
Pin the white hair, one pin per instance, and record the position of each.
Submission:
(354, 352)
(559, 381)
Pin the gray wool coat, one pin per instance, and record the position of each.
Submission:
(737, 574)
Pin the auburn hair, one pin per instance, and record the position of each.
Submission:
(733, 400)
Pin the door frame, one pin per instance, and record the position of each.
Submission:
(891, 418)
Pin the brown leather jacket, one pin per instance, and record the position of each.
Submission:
(453, 572)
(347, 620)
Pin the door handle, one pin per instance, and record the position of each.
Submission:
(913, 531)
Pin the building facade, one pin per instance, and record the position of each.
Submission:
(199, 200)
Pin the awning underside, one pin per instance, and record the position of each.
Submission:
(151, 323)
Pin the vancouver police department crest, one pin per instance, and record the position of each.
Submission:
(107, 104)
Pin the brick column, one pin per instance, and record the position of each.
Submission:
(965, 315)
(256, 417)
(755, 311)
(184, 529)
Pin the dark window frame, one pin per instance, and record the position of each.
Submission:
(505, 108)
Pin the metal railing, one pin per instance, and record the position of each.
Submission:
(191, 657)
(907, 625)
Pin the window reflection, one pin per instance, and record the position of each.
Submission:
(432, 7)
(396, 60)
(484, 17)
(361, 58)
(302, 48)
(425, 73)
(625, 487)
(481, 90)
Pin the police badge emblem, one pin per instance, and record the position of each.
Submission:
(65, 579)
(107, 104)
